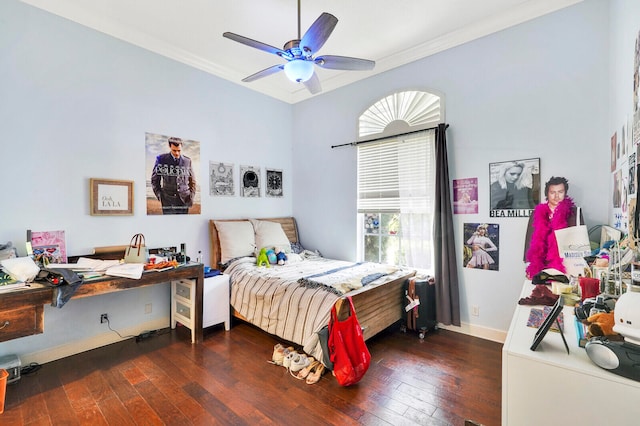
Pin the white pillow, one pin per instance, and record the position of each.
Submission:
(270, 234)
(236, 238)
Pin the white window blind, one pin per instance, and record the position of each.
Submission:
(396, 175)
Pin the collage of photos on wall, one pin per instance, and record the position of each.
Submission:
(514, 192)
(625, 153)
(222, 182)
(172, 170)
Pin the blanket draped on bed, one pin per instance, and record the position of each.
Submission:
(349, 277)
(274, 300)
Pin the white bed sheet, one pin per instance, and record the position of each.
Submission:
(273, 300)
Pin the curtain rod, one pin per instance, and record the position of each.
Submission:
(386, 137)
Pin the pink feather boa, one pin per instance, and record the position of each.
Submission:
(543, 251)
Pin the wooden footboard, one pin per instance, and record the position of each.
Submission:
(377, 308)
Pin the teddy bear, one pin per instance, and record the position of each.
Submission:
(263, 259)
(601, 324)
(282, 257)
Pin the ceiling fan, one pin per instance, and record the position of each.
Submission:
(299, 54)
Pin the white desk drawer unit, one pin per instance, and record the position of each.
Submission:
(215, 309)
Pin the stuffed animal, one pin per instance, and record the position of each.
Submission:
(601, 324)
(263, 259)
(282, 257)
(271, 255)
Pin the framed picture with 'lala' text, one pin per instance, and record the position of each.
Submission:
(111, 197)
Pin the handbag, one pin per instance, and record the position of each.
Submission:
(137, 252)
(347, 349)
(573, 241)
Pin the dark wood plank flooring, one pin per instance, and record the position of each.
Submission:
(445, 379)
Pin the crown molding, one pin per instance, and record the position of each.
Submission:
(284, 90)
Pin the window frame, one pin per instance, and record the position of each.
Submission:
(398, 114)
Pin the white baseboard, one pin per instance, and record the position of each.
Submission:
(103, 339)
(93, 342)
(477, 331)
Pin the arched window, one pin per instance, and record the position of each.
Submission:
(400, 112)
(396, 179)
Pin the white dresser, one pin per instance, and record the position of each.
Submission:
(215, 303)
(550, 387)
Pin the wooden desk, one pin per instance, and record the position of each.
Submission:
(24, 309)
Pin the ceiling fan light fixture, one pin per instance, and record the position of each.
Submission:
(298, 70)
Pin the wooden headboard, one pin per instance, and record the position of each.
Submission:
(288, 225)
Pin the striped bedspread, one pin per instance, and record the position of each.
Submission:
(273, 299)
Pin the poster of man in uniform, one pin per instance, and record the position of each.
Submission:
(481, 246)
(172, 165)
(515, 187)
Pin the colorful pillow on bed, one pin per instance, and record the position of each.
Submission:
(269, 234)
(236, 238)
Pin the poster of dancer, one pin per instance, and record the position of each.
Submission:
(481, 246)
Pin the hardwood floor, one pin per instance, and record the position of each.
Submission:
(445, 379)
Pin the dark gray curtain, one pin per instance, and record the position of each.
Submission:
(446, 270)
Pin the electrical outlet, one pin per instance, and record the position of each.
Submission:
(104, 318)
(475, 310)
(148, 308)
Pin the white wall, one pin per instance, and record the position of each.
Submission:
(536, 90)
(75, 104)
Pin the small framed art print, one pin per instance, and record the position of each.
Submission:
(111, 197)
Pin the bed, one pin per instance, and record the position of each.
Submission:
(293, 302)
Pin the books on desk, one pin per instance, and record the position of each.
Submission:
(86, 264)
(93, 268)
(126, 270)
(7, 283)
